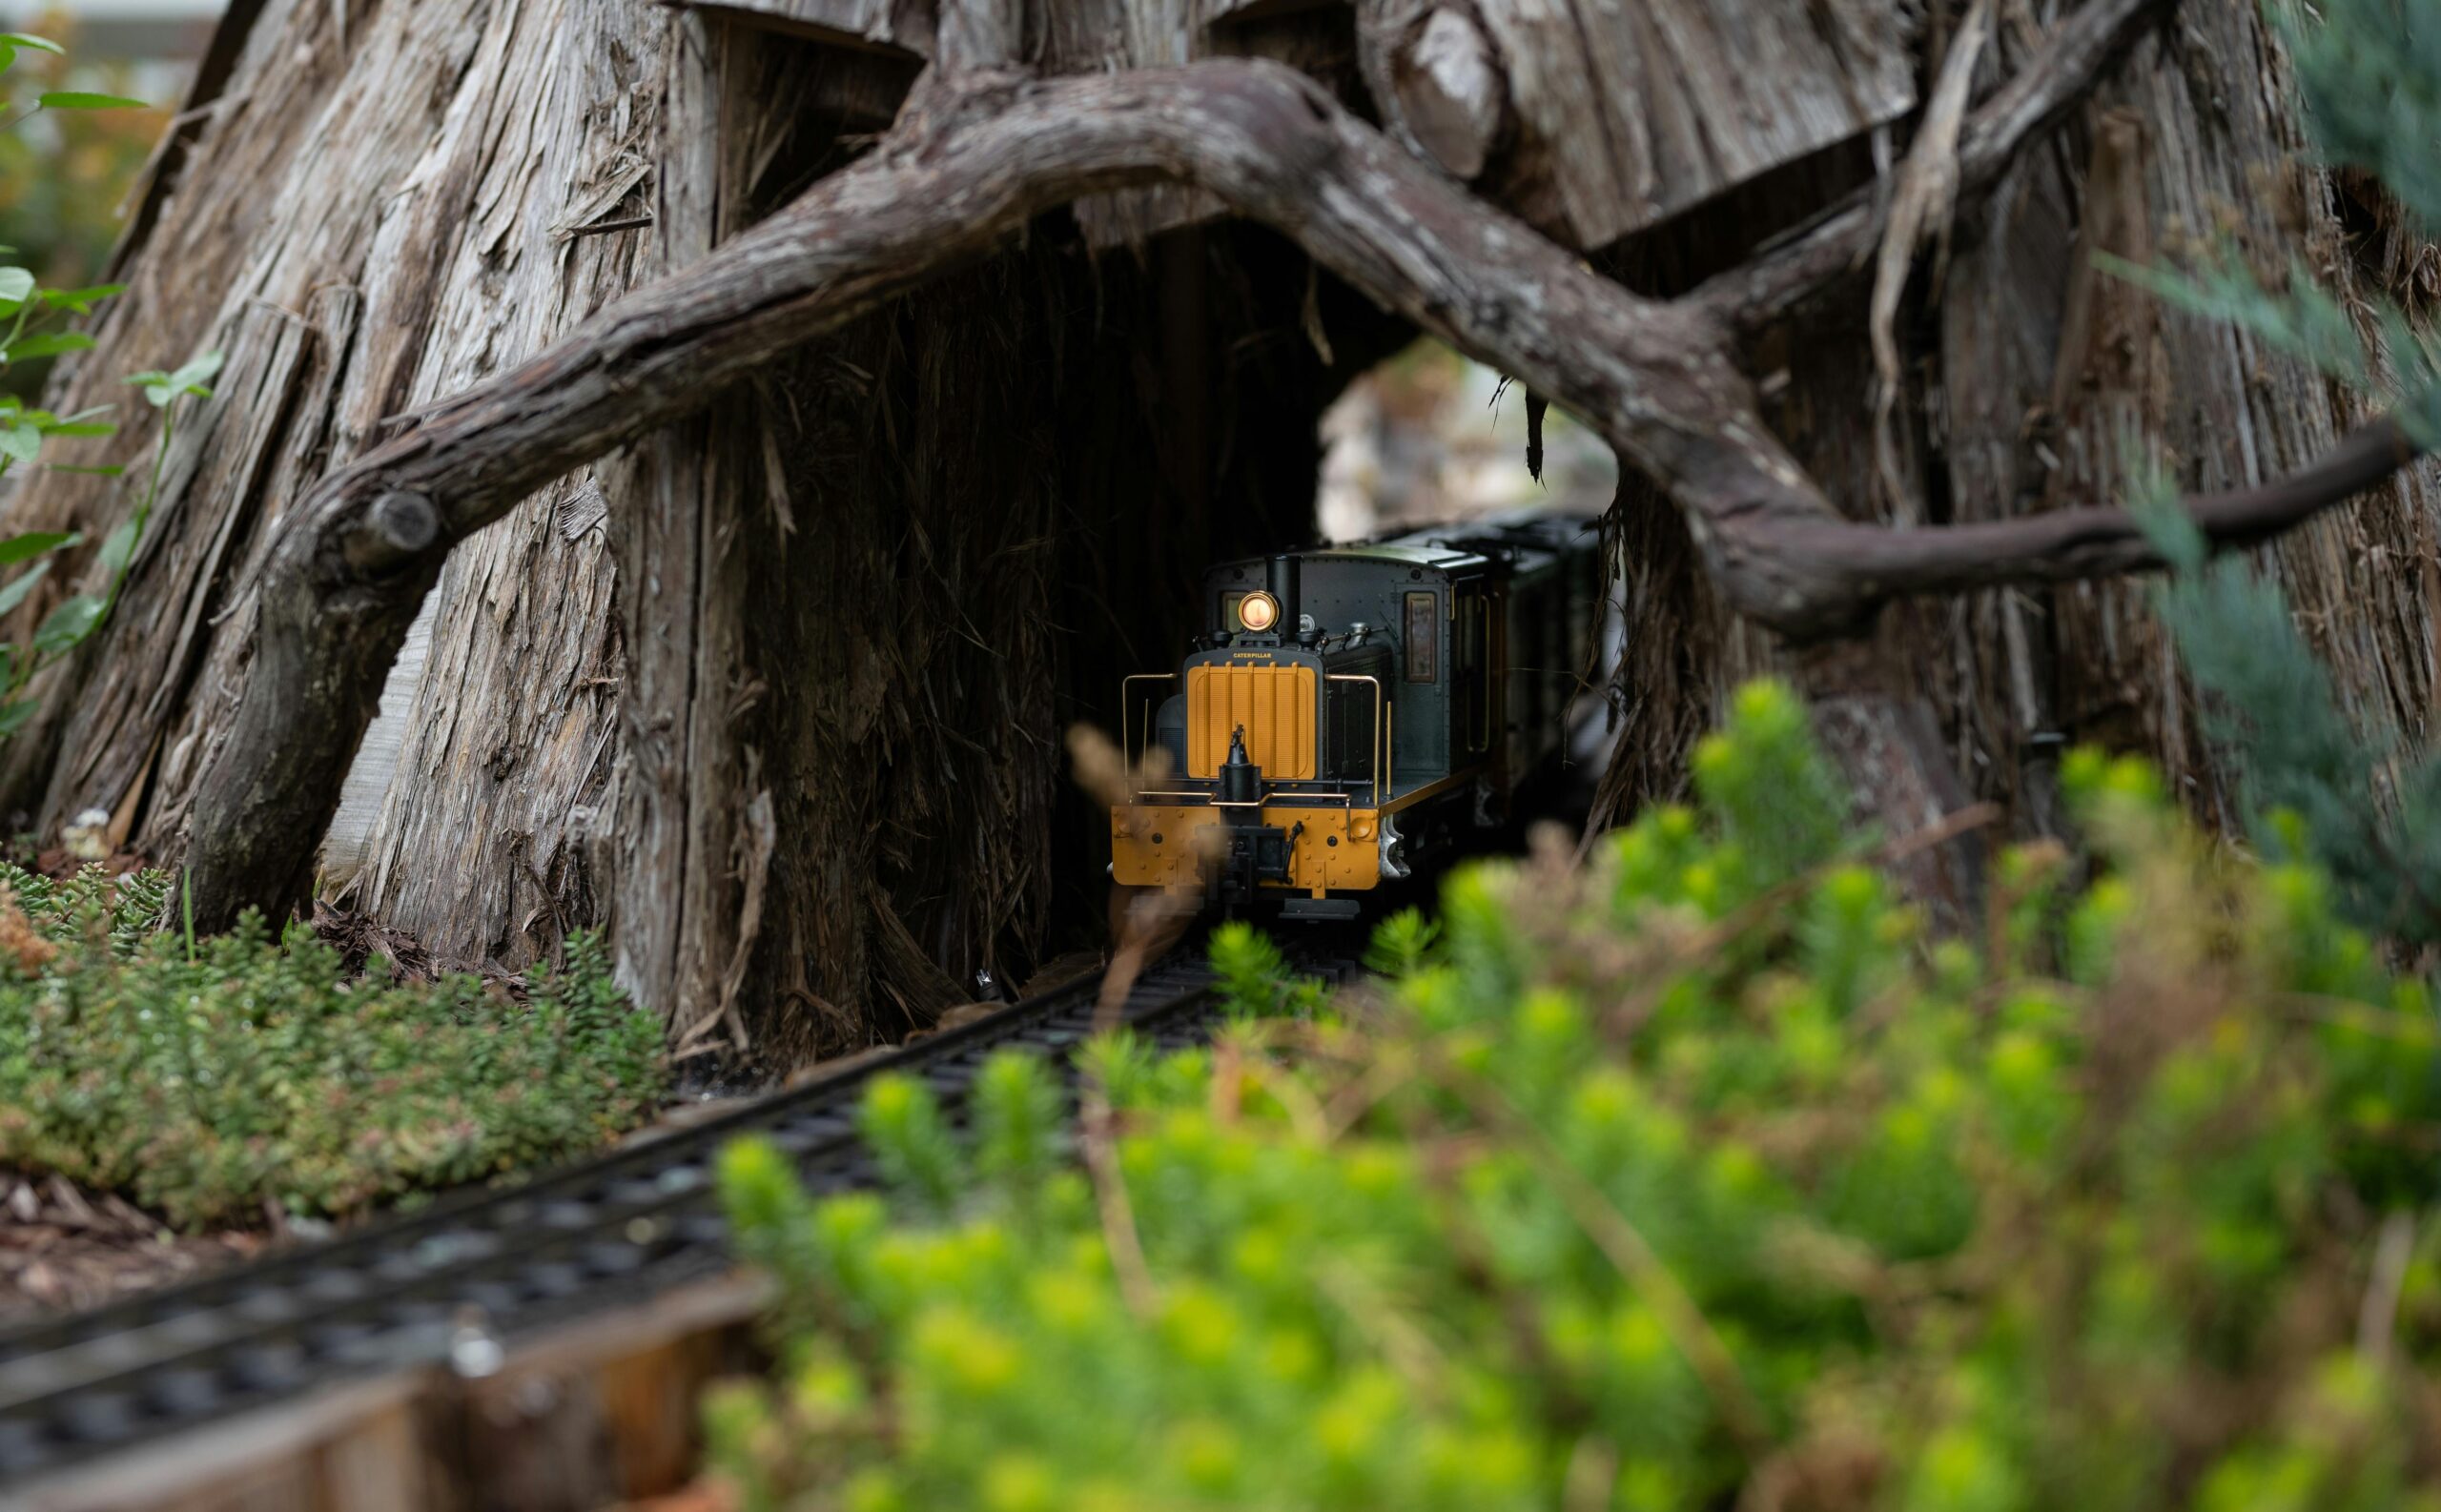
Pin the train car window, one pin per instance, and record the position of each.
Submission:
(1424, 637)
(1229, 620)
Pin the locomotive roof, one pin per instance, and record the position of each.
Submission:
(1458, 546)
(1413, 554)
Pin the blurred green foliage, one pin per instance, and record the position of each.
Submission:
(1698, 1178)
(37, 326)
(205, 1078)
(65, 174)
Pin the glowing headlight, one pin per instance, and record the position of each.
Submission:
(1257, 612)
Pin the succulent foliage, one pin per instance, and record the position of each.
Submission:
(208, 1078)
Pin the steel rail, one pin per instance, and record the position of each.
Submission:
(458, 1280)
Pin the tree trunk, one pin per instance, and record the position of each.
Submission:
(2026, 366)
(370, 219)
(779, 706)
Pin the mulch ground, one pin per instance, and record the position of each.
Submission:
(61, 1248)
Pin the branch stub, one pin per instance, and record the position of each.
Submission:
(395, 528)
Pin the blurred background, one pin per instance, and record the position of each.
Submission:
(1432, 436)
(64, 176)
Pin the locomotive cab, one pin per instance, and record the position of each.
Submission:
(1339, 706)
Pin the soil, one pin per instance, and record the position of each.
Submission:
(64, 1249)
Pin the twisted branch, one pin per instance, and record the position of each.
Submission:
(972, 161)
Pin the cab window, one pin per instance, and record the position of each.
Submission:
(1422, 636)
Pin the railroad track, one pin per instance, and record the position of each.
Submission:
(460, 1282)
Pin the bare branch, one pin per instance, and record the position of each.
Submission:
(968, 170)
(1838, 244)
(339, 587)
(1872, 566)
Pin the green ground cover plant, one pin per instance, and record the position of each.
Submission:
(1699, 1177)
(207, 1078)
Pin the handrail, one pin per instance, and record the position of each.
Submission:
(1382, 728)
(1124, 684)
(1380, 709)
(1291, 799)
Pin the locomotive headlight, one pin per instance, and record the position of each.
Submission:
(1258, 611)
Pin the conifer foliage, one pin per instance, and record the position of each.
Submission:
(1697, 1178)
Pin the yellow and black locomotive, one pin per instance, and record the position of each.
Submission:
(1348, 709)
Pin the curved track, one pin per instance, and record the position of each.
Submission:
(458, 1280)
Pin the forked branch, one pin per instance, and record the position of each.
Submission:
(341, 584)
(967, 171)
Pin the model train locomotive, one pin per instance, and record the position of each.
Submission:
(1348, 710)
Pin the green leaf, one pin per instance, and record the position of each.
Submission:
(96, 471)
(34, 544)
(81, 300)
(161, 390)
(49, 343)
(87, 100)
(13, 715)
(119, 549)
(26, 39)
(68, 623)
(15, 593)
(199, 368)
(86, 422)
(21, 442)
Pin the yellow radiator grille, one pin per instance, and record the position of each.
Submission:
(1275, 704)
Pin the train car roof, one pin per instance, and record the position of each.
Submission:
(1507, 538)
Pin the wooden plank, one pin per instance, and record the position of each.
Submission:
(578, 1417)
(350, 1449)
